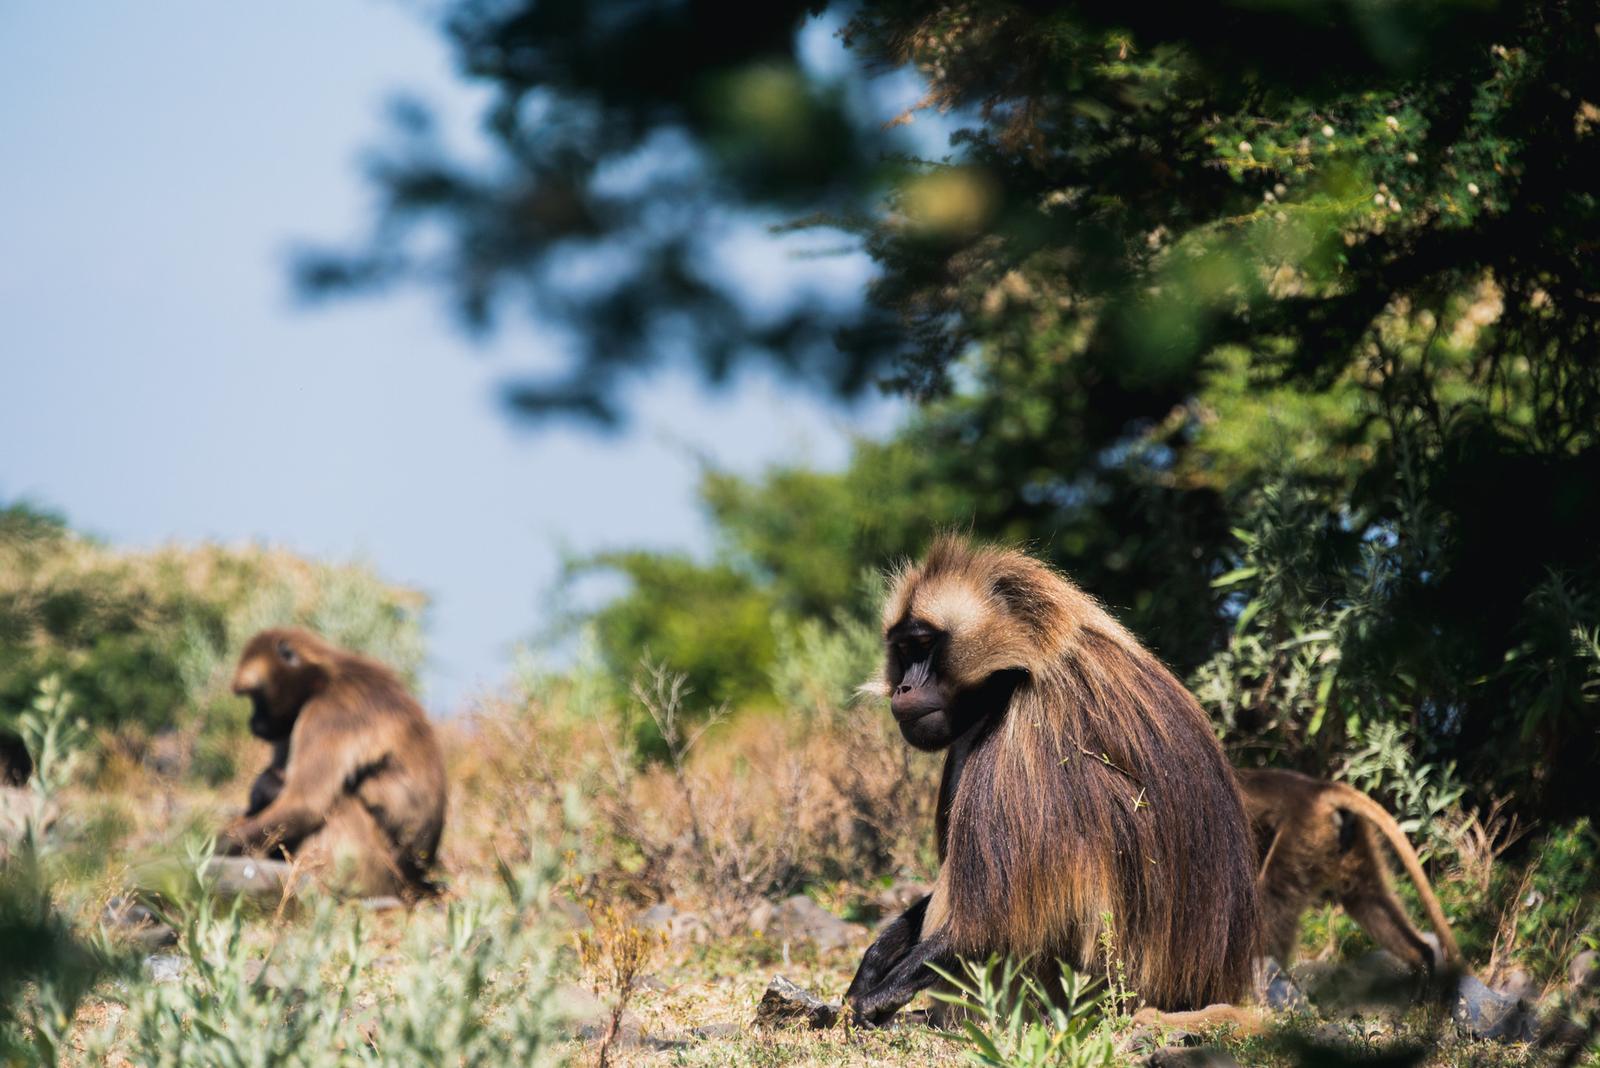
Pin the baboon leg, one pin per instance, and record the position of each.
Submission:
(911, 975)
(351, 854)
(1379, 913)
(1280, 935)
(1248, 1021)
(888, 949)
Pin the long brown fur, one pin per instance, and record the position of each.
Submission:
(1101, 793)
(362, 796)
(1319, 840)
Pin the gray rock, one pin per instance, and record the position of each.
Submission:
(386, 903)
(900, 896)
(717, 1031)
(1585, 968)
(799, 919)
(250, 876)
(1483, 1012)
(1377, 981)
(166, 967)
(135, 923)
(1520, 985)
(681, 928)
(784, 1003)
(1277, 990)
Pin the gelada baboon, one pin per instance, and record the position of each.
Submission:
(356, 789)
(1318, 840)
(1082, 782)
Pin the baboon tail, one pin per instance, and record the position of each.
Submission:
(1378, 816)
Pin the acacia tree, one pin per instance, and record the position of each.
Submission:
(1275, 324)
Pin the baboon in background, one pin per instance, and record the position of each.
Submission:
(16, 766)
(362, 795)
(1317, 839)
(1082, 781)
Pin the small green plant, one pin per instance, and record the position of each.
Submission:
(1011, 1020)
(55, 741)
(1120, 999)
(614, 954)
(45, 967)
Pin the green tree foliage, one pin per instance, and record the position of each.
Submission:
(627, 140)
(712, 623)
(1275, 325)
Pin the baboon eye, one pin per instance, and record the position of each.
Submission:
(286, 652)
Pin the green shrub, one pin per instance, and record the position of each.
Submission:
(469, 985)
(1011, 1021)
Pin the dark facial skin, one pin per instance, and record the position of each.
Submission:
(919, 698)
(277, 695)
(931, 712)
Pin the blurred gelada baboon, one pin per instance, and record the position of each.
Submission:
(1318, 841)
(1082, 786)
(356, 787)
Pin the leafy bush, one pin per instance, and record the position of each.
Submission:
(819, 667)
(710, 622)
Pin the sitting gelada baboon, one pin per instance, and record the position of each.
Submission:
(356, 789)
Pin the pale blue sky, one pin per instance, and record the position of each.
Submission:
(158, 382)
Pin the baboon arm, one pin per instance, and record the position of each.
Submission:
(321, 765)
(911, 975)
(887, 950)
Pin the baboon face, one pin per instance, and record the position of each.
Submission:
(931, 708)
(279, 671)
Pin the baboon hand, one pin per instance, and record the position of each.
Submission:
(230, 843)
(875, 1008)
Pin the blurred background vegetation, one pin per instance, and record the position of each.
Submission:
(1273, 325)
(145, 642)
